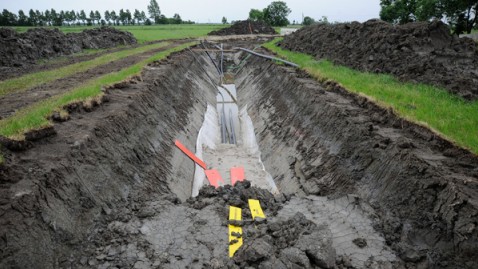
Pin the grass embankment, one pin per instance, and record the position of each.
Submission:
(35, 116)
(447, 114)
(28, 81)
(153, 32)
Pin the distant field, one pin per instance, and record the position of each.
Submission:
(153, 32)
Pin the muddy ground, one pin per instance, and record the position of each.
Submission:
(419, 52)
(23, 49)
(360, 188)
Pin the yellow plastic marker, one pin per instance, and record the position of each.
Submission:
(235, 213)
(256, 210)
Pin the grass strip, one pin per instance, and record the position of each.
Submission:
(35, 116)
(28, 81)
(447, 114)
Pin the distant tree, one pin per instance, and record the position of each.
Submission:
(143, 17)
(137, 16)
(462, 15)
(73, 17)
(122, 16)
(107, 17)
(224, 20)
(256, 15)
(114, 17)
(82, 16)
(154, 11)
(33, 20)
(177, 19)
(92, 17)
(148, 22)
(8, 18)
(40, 17)
(97, 16)
(308, 21)
(276, 14)
(22, 18)
(47, 17)
(129, 17)
(324, 20)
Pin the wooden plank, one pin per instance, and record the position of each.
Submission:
(235, 213)
(256, 209)
(190, 155)
(237, 174)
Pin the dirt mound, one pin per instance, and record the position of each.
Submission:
(421, 52)
(20, 49)
(246, 28)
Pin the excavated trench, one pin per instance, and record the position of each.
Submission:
(343, 182)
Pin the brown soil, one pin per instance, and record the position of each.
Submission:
(418, 52)
(12, 102)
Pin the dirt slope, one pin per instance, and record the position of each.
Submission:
(422, 52)
(332, 143)
(19, 49)
(245, 28)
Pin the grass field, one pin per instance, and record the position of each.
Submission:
(35, 116)
(28, 81)
(434, 107)
(152, 32)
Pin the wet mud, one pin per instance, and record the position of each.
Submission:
(417, 52)
(359, 187)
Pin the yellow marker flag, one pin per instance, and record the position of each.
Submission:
(256, 209)
(235, 213)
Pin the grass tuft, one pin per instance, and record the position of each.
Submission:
(36, 115)
(436, 108)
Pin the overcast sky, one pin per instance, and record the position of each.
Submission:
(205, 11)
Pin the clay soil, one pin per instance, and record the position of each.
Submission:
(360, 187)
(418, 52)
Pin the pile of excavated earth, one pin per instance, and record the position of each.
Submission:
(354, 185)
(246, 27)
(420, 52)
(20, 49)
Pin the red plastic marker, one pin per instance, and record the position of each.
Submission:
(190, 154)
(213, 176)
(237, 174)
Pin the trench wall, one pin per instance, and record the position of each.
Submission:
(320, 140)
(56, 196)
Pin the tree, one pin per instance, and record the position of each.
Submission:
(276, 14)
(137, 16)
(82, 16)
(154, 11)
(224, 20)
(47, 17)
(92, 17)
(144, 18)
(460, 14)
(33, 19)
(177, 19)
(22, 18)
(107, 17)
(97, 16)
(114, 17)
(308, 21)
(256, 15)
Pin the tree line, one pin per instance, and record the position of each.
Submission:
(460, 14)
(274, 14)
(51, 17)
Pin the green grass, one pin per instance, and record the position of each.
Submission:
(152, 32)
(35, 116)
(445, 113)
(28, 81)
